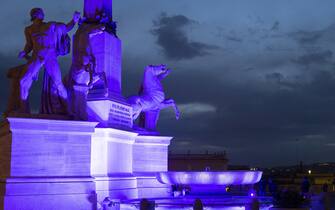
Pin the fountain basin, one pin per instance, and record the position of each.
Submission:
(209, 177)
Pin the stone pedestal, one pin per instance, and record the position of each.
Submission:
(106, 48)
(125, 165)
(64, 164)
(112, 161)
(105, 103)
(151, 156)
(46, 164)
(110, 113)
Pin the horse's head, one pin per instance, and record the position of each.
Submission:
(157, 70)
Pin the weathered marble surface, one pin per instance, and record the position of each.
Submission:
(110, 113)
(96, 64)
(151, 156)
(43, 162)
(107, 51)
(82, 73)
(55, 147)
(76, 160)
(151, 153)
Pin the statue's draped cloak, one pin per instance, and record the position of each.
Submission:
(51, 102)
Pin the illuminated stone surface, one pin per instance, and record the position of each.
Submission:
(149, 156)
(97, 54)
(210, 178)
(110, 113)
(44, 162)
(70, 161)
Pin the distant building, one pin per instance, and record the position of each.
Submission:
(320, 176)
(198, 162)
(240, 168)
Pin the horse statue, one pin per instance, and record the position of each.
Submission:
(151, 98)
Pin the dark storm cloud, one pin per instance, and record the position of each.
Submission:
(310, 37)
(275, 26)
(234, 38)
(275, 77)
(320, 58)
(174, 41)
(248, 118)
(229, 36)
(282, 82)
(307, 37)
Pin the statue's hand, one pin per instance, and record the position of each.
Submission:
(22, 54)
(76, 17)
(168, 71)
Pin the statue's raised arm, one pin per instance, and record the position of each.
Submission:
(73, 22)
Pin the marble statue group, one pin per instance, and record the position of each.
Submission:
(89, 146)
(46, 41)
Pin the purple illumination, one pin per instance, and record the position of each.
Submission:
(252, 193)
(152, 97)
(210, 178)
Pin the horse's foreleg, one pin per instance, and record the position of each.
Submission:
(135, 115)
(135, 104)
(170, 103)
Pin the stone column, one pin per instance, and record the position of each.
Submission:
(106, 49)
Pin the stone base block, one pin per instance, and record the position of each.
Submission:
(150, 153)
(149, 187)
(48, 193)
(116, 187)
(110, 113)
(49, 202)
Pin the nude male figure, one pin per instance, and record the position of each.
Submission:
(42, 39)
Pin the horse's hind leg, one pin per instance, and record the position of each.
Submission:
(151, 119)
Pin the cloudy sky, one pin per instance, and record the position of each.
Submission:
(253, 79)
